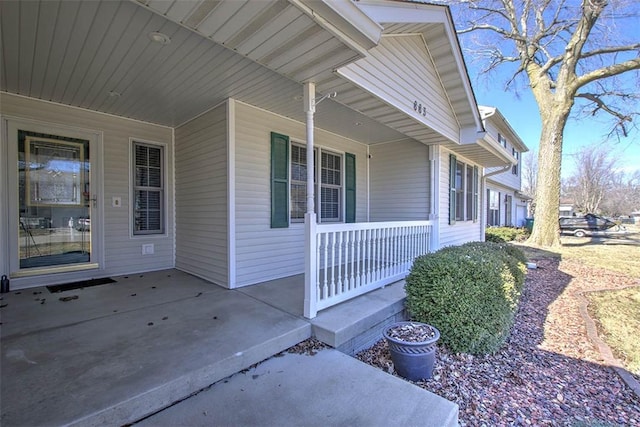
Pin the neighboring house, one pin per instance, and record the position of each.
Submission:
(144, 135)
(505, 204)
(567, 208)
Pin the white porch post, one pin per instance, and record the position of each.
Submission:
(310, 263)
(434, 215)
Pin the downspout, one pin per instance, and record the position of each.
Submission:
(483, 184)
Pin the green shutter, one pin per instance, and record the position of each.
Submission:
(452, 189)
(350, 187)
(279, 180)
(475, 194)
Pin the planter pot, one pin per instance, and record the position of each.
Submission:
(413, 354)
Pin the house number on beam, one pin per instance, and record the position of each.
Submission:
(417, 106)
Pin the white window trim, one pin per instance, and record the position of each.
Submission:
(165, 201)
(318, 149)
(466, 188)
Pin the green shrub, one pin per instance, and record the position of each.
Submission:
(505, 234)
(469, 292)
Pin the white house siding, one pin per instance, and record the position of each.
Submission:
(263, 253)
(201, 196)
(507, 179)
(399, 177)
(400, 71)
(462, 231)
(122, 252)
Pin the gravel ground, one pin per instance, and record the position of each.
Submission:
(548, 372)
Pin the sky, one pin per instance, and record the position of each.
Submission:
(520, 108)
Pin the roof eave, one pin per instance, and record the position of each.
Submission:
(345, 20)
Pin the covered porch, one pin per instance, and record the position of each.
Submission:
(115, 353)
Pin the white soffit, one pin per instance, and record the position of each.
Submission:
(287, 37)
(81, 53)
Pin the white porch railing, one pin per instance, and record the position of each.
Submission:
(347, 260)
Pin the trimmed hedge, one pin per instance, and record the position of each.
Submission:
(469, 292)
(505, 234)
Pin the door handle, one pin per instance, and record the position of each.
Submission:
(94, 199)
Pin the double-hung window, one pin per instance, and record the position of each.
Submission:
(298, 182)
(148, 188)
(502, 140)
(331, 187)
(463, 195)
(328, 192)
(459, 185)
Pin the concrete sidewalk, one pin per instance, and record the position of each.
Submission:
(325, 389)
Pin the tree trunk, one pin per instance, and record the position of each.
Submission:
(546, 231)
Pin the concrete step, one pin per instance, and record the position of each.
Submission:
(358, 323)
(327, 388)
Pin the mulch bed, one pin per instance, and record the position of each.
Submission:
(548, 372)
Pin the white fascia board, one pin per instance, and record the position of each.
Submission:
(494, 115)
(462, 69)
(515, 139)
(345, 20)
(498, 152)
(471, 135)
(397, 12)
(492, 144)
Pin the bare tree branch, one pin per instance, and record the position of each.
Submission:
(610, 71)
(601, 105)
(611, 49)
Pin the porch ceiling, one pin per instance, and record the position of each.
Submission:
(98, 55)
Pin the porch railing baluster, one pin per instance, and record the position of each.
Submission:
(339, 281)
(352, 259)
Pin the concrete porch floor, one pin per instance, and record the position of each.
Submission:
(121, 351)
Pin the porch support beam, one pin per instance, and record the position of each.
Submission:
(310, 259)
(310, 109)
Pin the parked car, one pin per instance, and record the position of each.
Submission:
(83, 224)
(580, 226)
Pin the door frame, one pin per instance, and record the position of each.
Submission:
(9, 218)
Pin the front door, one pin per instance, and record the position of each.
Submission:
(52, 224)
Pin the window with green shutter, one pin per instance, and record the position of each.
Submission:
(452, 188)
(334, 174)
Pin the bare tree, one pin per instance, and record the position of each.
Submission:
(594, 179)
(624, 195)
(530, 173)
(530, 178)
(568, 53)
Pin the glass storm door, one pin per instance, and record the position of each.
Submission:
(54, 200)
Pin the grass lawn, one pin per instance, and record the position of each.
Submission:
(618, 315)
(623, 259)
